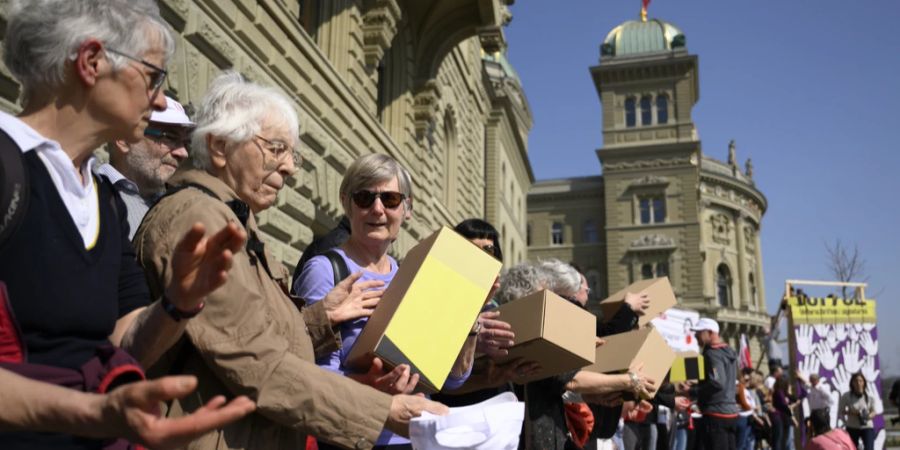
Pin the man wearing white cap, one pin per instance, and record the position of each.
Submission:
(139, 170)
(716, 394)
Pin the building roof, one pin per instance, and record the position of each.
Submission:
(636, 37)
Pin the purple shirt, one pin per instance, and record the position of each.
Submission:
(315, 281)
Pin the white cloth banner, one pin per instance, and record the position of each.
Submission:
(493, 424)
(675, 326)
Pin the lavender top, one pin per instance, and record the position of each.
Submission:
(315, 281)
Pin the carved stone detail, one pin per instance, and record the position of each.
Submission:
(652, 242)
(649, 180)
(750, 238)
(721, 227)
(426, 105)
(379, 26)
(648, 163)
(492, 38)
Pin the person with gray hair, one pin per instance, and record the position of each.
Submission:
(78, 312)
(253, 339)
(545, 424)
(376, 194)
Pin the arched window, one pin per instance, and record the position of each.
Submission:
(723, 285)
(646, 113)
(662, 109)
(589, 232)
(646, 271)
(556, 233)
(630, 117)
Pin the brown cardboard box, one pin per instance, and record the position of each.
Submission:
(426, 313)
(551, 331)
(658, 289)
(644, 345)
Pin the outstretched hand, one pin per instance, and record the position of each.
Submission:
(200, 264)
(638, 302)
(351, 300)
(399, 380)
(132, 411)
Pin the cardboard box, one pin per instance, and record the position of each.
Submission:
(644, 345)
(551, 331)
(687, 366)
(429, 308)
(658, 289)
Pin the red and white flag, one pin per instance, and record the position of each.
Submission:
(744, 355)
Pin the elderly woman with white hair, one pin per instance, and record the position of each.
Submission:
(78, 312)
(545, 421)
(253, 339)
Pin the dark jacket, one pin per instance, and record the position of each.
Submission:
(716, 394)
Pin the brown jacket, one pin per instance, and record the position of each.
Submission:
(251, 339)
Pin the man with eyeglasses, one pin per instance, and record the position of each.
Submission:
(139, 170)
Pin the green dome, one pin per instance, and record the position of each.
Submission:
(636, 37)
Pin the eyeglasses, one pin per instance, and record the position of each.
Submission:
(490, 249)
(281, 151)
(157, 77)
(389, 199)
(173, 138)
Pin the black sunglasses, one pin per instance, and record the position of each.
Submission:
(389, 199)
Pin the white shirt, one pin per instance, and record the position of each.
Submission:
(769, 382)
(818, 397)
(79, 196)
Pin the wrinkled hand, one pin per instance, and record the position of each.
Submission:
(133, 412)
(400, 380)
(350, 300)
(804, 338)
(495, 336)
(827, 356)
(406, 407)
(646, 385)
(200, 264)
(638, 302)
(869, 345)
(510, 371)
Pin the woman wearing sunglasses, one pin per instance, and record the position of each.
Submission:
(376, 194)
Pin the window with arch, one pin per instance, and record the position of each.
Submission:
(646, 271)
(723, 285)
(589, 232)
(662, 109)
(630, 116)
(646, 112)
(556, 233)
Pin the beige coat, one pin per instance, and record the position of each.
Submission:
(251, 339)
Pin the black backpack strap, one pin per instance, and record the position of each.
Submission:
(14, 187)
(338, 266)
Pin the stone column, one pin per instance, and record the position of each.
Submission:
(742, 259)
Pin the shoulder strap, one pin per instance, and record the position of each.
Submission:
(14, 187)
(338, 266)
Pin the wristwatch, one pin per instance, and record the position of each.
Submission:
(177, 314)
(635, 382)
(475, 328)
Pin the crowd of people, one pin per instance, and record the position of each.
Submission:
(139, 303)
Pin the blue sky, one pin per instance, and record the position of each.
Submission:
(809, 90)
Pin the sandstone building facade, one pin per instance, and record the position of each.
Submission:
(661, 207)
(422, 81)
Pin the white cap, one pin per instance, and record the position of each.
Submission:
(706, 324)
(173, 115)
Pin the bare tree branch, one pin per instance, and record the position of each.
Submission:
(846, 264)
